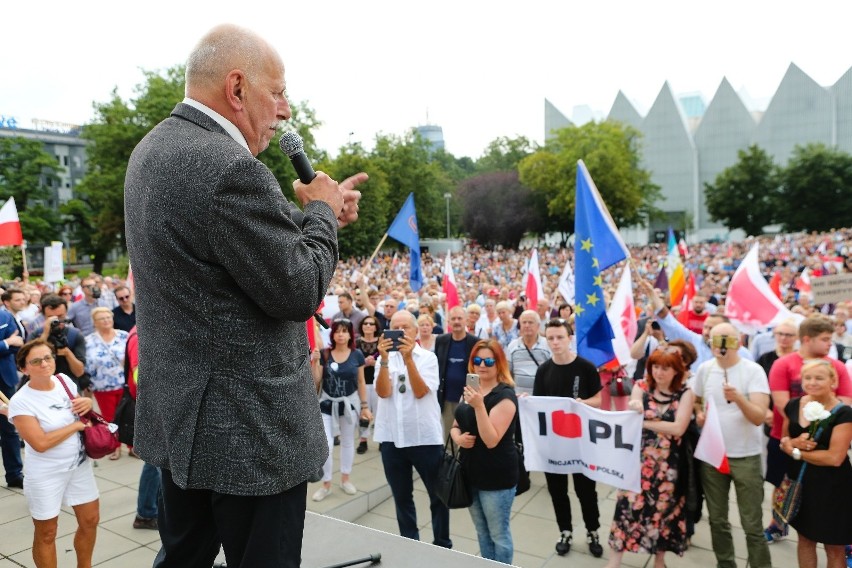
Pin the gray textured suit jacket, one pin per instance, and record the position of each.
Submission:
(227, 271)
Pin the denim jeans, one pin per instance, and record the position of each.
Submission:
(397, 463)
(748, 482)
(10, 442)
(149, 492)
(490, 512)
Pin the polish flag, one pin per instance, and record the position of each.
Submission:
(689, 294)
(622, 318)
(751, 302)
(681, 247)
(448, 285)
(566, 283)
(775, 283)
(803, 282)
(533, 288)
(10, 225)
(711, 445)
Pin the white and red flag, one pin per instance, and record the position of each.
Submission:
(448, 285)
(711, 445)
(751, 303)
(803, 282)
(622, 318)
(533, 288)
(10, 225)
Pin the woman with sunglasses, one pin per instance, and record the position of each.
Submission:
(367, 343)
(343, 393)
(484, 429)
(57, 470)
(654, 521)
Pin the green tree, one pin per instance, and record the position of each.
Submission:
(744, 195)
(362, 237)
(406, 164)
(504, 154)
(611, 154)
(27, 173)
(815, 189)
(97, 212)
(498, 209)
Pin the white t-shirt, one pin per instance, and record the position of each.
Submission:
(402, 418)
(52, 409)
(742, 438)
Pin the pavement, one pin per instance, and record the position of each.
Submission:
(534, 529)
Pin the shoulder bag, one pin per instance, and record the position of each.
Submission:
(125, 417)
(100, 438)
(620, 384)
(451, 485)
(787, 497)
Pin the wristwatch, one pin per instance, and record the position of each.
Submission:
(796, 454)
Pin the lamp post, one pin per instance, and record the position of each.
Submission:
(447, 196)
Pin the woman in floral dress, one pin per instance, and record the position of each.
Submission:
(654, 520)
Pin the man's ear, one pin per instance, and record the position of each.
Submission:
(235, 89)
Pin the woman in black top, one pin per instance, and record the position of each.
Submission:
(484, 428)
(368, 344)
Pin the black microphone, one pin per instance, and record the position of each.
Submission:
(291, 144)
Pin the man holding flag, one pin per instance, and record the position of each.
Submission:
(739, 391)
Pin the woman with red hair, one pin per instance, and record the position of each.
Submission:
(654, 521)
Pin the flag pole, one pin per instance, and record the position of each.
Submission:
(26, 274)
(375, 252)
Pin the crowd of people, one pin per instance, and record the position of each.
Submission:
(413, 395)
(678, 367)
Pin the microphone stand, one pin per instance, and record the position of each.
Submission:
(372, 559)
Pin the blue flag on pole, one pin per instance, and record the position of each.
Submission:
(404, 230)
(597, 246)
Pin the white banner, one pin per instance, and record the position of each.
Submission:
(562, 435)
(54, 269)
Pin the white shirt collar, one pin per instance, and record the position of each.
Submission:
(229, 126)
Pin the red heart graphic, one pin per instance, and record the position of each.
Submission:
(593, 467)
(567, 425)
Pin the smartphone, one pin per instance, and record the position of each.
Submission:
(473, 381)
(396, 335)
(655, 325)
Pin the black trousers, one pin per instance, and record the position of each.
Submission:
(255, 532)
(557, 486)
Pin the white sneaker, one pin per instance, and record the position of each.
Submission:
(348, 488)
(321, 493)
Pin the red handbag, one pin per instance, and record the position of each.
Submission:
(99, 439)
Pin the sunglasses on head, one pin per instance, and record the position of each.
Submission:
(488, 361)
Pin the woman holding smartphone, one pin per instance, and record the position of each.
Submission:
(484, 429)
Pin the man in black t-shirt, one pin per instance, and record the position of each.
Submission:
(568, 375)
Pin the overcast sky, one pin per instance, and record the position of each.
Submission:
(478, 69)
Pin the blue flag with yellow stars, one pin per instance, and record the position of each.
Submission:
(597, 246)
(404, 229)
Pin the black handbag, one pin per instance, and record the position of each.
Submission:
(523, 475)
(125, 417)
(451, 485)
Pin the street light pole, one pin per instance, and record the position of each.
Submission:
(447, 196)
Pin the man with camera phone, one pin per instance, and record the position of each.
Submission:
(68, 341)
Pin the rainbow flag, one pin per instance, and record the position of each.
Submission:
(674, 268)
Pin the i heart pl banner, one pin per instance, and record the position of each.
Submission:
(562, 435)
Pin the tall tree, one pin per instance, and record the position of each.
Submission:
(744, 195)
(611, 153)
(498, 209)
(406, 164)
(361, 238)
(815, 189)
(27, 173)
(504, 154)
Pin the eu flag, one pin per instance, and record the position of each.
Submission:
(404, 230)
(597, 246)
